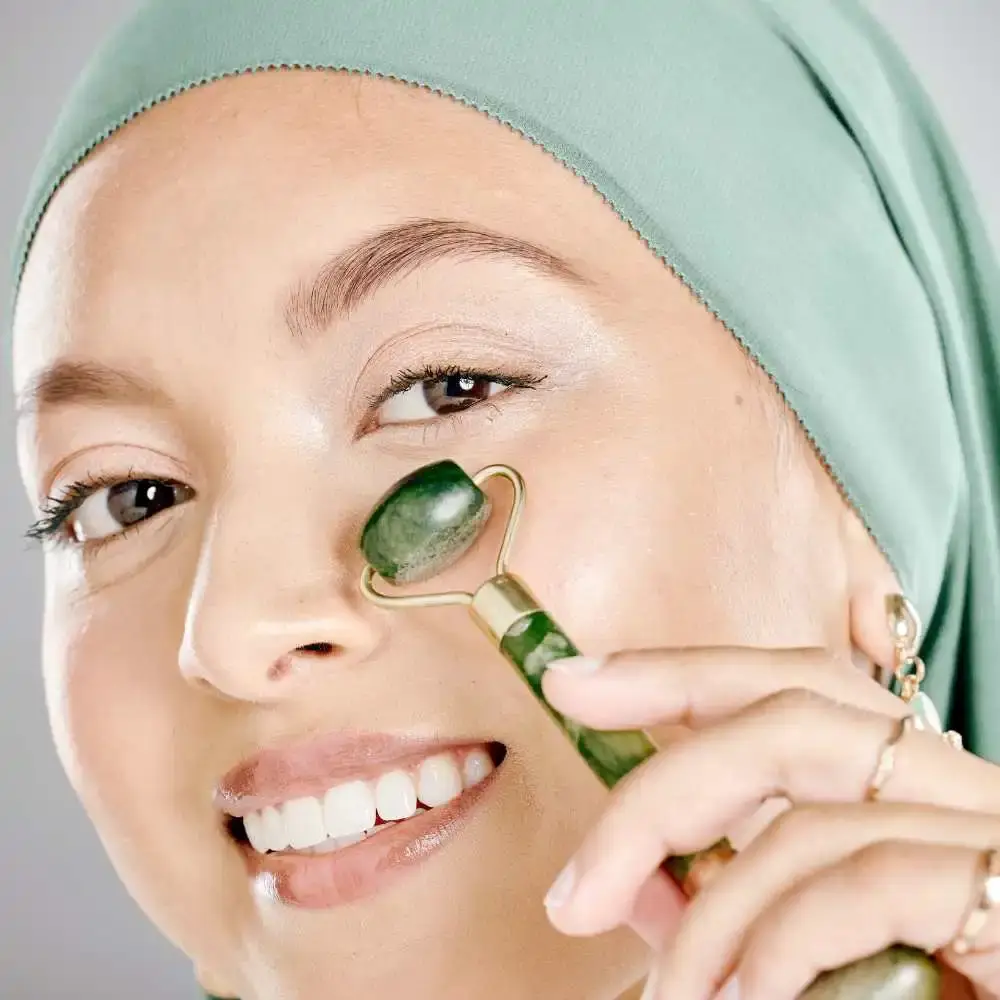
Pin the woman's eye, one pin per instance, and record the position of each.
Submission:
(113, 509)
(437, 398)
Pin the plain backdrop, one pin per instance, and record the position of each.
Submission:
(67, 929)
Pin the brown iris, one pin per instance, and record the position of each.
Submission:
(456, 392)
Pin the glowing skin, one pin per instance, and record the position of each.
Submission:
(672, 503)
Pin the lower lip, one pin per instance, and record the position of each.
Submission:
(322, 881)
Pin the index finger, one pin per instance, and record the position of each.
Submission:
(695, 687)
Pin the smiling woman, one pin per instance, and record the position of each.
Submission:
(278, 257)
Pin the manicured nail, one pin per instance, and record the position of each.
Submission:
(578, 665)
(562, 888)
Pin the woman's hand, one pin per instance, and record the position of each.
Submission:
(834, 878)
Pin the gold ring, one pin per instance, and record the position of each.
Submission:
(987, 899)
(887, 759)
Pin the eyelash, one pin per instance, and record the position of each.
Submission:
(409, 377)
(57, 510)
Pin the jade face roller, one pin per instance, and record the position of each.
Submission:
(425, 524)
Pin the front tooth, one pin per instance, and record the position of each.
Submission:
(349, 809)
(476, 767)
(273, 829)
(438, 780)
(304, 822)
(253, 824)
(395, 796)
(353, 838)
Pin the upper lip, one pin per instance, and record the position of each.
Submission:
(312, 766)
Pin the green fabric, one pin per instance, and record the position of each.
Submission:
(778, 156)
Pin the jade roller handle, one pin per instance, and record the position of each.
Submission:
(898, 973)
(424, 525)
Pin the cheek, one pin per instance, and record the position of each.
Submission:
(708, 536)
(111, 701)
(116, 706)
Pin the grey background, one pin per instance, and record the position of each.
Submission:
(66, 927)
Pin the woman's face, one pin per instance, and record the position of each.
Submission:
(244, 318)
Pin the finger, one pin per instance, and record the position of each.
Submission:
(895, 891)
(694, 687)
(657, 911)
(793, 744)
(796, 846)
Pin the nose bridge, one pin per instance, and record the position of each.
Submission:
(273, 586)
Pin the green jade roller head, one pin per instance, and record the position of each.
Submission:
(424, 525)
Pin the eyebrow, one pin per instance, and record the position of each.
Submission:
(68, 383)
(355, 274)
(340, 286)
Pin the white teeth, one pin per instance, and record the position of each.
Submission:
(349, 809)
(348, 813)
(354, 838)
(327, 847)
(395, 796)
(438, 781)
(273, 829)
(476, 767)
(336, 843)
(304, 823)
(253, 823)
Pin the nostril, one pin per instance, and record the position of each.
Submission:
(317, 648)
(284, 666)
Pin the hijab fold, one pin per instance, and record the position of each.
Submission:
(778, 156)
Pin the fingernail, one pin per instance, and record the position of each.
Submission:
(729, 991)
(578, 665)
(651, 991)
(562, 888)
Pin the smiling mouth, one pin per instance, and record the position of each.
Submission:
(348, 812)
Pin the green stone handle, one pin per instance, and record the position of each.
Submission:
(424, 524)
(898, 973)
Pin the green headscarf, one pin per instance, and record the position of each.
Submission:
(778, 156)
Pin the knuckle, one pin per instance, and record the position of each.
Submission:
(789, 701)
(876, 860)
(801, 823)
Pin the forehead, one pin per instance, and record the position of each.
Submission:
(185, 210)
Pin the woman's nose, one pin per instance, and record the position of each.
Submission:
(274, 600)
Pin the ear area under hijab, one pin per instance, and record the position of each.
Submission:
(870, 581)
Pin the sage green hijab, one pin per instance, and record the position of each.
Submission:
(778, 156)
